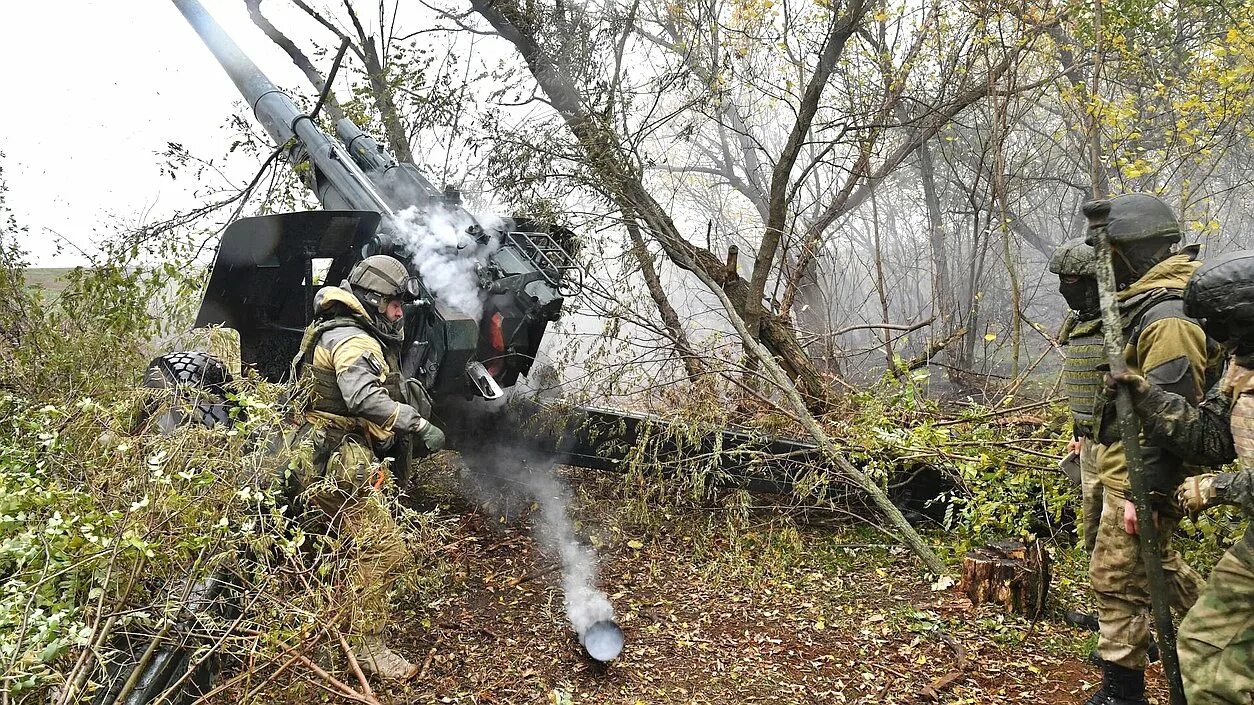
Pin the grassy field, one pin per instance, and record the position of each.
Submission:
(50, 279)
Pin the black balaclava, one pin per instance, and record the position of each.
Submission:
(1132, 260)
(1081, 295)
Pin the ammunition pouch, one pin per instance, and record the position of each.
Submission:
(1105, 420)
(415, 395)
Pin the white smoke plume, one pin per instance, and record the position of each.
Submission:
(502, 477)
(446, 255)
(586, 604)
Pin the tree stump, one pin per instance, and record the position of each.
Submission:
(1013, 574)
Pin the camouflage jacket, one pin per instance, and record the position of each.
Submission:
(1205, 434)
(353, 376)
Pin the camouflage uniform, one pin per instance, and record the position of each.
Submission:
(1083, 354)
(349, 414)
(1090, 493)
(1216, 641)
(1174, 354)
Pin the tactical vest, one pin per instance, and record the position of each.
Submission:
(324, 394)
(1083, 352)
(1105, 428)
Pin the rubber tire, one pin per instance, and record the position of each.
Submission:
(198, 370)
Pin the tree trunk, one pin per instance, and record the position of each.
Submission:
(618, 178)
(800, 408)
(841, 29)
(1012, 574)
(942, 283)
(670, 318)
(881, 287)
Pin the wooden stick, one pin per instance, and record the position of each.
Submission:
(534, 574)
(277, 672)
(426, 663)
(933, 690)
(340, 685)
(352, 661)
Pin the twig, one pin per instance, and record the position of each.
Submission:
(933, 690)
(246, 675)
(142, 663)
(340, 685)
(352, 661)
(1014, 388)
(426, 663)
(345, 689)
(82, 668)
(932, 349)
(1003, 412)
(193, 666)
(534, 574)
(326, 87)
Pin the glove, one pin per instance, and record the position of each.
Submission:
(1135, 383)
(1197, 493)
(431, 437)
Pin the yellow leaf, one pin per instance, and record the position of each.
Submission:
(635, 544)
(990, 337)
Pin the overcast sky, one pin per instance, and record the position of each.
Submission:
(94, 89)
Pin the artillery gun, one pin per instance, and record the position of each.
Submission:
(263, 278)
(263, 281)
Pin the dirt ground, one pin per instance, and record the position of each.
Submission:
(716, 612)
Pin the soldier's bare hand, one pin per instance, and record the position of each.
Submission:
(1197, 493)
(1073, 446)
(1129, 517)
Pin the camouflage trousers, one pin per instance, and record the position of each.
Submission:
(341, 483)
(1217, 637)
(1117, 575)
(1090, 493)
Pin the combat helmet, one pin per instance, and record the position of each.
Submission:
(378, 278)
(1073, 258)
(1074, 262)
(1220, 295)
(1141, 228)
(375, 281)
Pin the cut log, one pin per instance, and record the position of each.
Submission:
(1013, 574)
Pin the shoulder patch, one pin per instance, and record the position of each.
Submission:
(373, 362)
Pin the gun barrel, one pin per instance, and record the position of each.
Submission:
(339, 182)
(278, 112)
(363, 147)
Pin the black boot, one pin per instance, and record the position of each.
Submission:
(1120, 686)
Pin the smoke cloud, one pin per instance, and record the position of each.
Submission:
(446, 255)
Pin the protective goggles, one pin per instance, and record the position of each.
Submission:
(410, 289)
